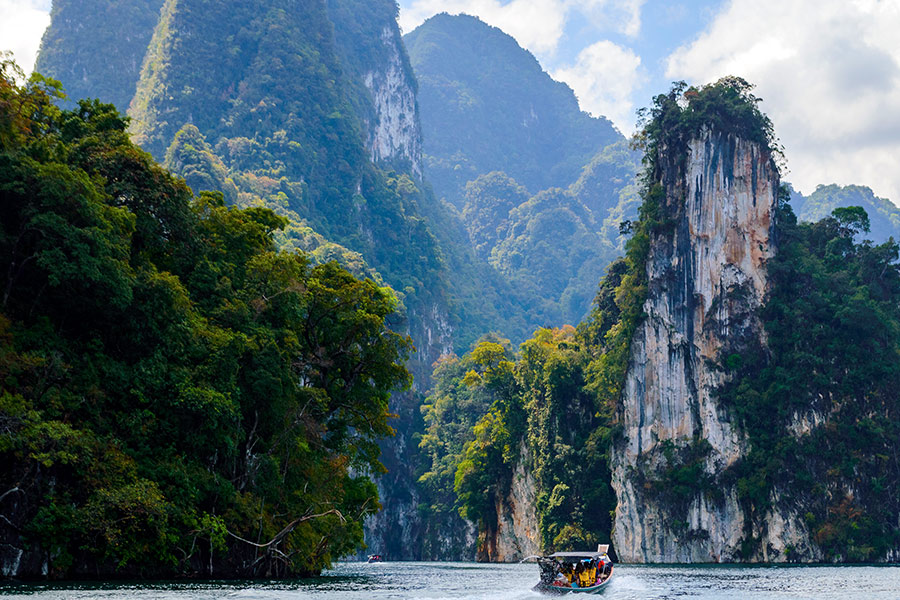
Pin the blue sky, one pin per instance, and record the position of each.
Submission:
(665, 26)
(827, 70)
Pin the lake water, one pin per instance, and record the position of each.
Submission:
(445, 581)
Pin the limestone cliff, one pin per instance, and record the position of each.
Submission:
(706, 277)
(375, 59)
(517, 533)
(397, 530)
(394, 134)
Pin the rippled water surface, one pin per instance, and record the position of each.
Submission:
(438, 581)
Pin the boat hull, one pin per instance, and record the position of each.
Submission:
(553, 590)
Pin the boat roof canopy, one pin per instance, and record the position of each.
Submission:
(602, 549)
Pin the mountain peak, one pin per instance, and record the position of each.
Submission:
(487, 105)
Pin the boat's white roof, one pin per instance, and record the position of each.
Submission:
(601, 550)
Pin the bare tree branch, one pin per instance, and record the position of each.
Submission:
(289, 528)
(8, 492)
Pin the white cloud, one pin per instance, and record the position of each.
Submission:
(537, 25)
(22, 23)
(829, 74)
(604, 77)
(621, 16)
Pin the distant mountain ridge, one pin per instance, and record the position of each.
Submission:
(488, 105)
(884, 215)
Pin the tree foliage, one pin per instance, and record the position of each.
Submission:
(831, 360)
(492, 415)
(883, 214)
(177, 396)
(727, 106)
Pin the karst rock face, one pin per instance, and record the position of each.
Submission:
(517, 531)
(706, 278)
(395, 134)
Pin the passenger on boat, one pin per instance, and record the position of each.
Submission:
(579, 576)
(603, 571)
(592, 573)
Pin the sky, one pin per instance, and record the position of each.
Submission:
(828, 70)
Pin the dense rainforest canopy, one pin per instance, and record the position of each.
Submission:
(178, 397)
(833, 348)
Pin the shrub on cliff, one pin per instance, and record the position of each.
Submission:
(727, 106)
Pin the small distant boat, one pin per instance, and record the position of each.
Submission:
(373, 558)
(574, 572)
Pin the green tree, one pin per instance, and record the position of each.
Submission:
(178, 397)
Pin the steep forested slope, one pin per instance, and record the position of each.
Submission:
(286, 120)
(96, 47)
(820, 403)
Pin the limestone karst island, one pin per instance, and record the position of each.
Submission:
(284, 287)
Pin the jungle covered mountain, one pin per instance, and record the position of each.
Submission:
(487, 105)
(312, 111)
(179, 398)
(541, 186)
(308, 109)
(815, 398)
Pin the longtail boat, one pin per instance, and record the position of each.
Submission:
(574, 572)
